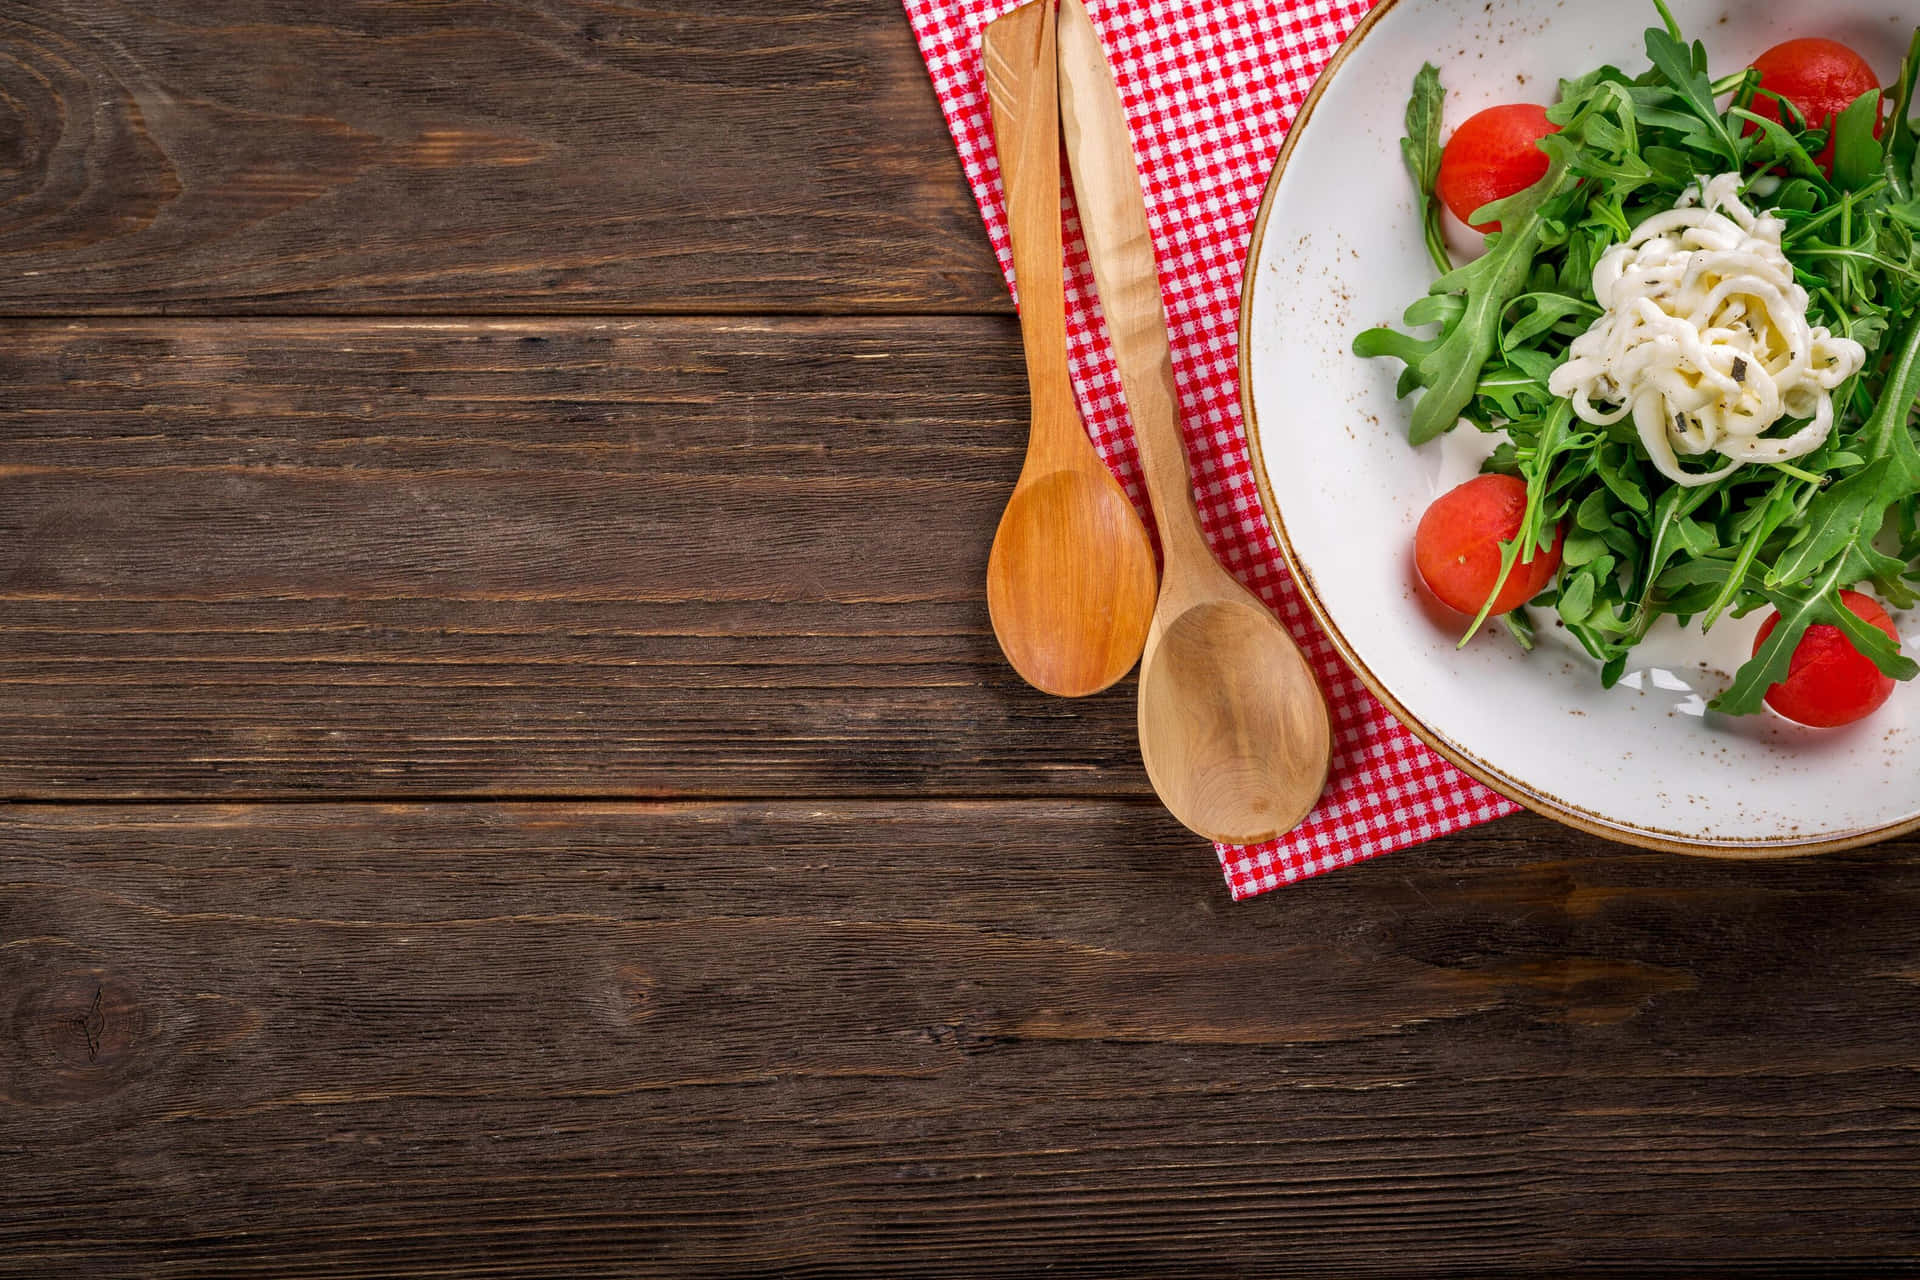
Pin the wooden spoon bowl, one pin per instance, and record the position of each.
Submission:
(1071, 582)
(1232, 729)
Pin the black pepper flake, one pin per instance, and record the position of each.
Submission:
(1739, 369)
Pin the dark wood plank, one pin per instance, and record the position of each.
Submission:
(220, 156)
(580, 557)
(932, 1039)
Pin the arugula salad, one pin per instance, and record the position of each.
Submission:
(1696, 331)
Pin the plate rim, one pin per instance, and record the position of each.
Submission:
(1514, 789)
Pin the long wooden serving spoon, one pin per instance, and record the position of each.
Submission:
(1071, 579)
(1233, 727)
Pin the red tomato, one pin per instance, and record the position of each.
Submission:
(1828, 682)
(1821, 78)
(1457, 546)
(1493, 156)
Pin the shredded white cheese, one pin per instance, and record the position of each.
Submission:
(1703, 338)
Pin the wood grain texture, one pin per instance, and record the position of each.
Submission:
(591, 558)
(932, 1039)
(791, 1032)
(220, 156)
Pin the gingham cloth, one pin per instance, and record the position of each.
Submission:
(1209, 90)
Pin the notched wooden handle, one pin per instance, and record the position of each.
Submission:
(1016, 51)
(1023, 86)
(1113, 220)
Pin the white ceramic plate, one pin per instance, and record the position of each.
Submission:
(1337, 248)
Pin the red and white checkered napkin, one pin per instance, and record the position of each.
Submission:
(1209, 90)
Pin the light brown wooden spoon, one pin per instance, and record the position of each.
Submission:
(1071, 580)
(1233, 727)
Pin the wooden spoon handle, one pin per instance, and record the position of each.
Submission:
(1023, 89)
(1113, 217)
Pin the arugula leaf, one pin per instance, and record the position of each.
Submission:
(1544, 310)
(1899, 143)
(1775, 510)
(1594, 514)
(1874, 644)
(1836, 519)
(1421, 149)
(1505, 386)
(1382, 341)
(1681, 67)
(1781, 145)
(1451, 370)
(1576, 598)
(1857, 157)
(1666, 16)
(1536, 531)
(1886, 433)
(1435, 308)
(1629, 489)
(1674, 531)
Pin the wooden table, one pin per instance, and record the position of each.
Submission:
(507, 771)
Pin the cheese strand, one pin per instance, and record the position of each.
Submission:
(1703, 337)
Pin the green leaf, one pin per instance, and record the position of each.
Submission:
(1452, 370)
(1798, 194)
(1576, 598)
(1594, 515)
(1775, 510)
(1674, 167)
(1421, 149)
(1538, 365)
(1435, 308)
(1544, 310)
(1520, 627)
(1839, 517)
(1371, 343)
(1699, 572)
(1504, 386)
(1886, 432)
(1874, 644)
(1535, 533)
(1674, 531)
(1783, 146)
(1857, 157)
(1630, 489)
(1583, 546)
(1898, 145)
(1680, 65)
(1666, 17)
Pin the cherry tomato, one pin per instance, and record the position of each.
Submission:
(1457, 546)
(1821, 78)
(1828, 681)
(1492, 156)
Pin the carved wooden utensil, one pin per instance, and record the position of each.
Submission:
(1071, 580)
(1233, 727)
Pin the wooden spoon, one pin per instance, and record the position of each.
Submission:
(1233, 727)
(1071, 580)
